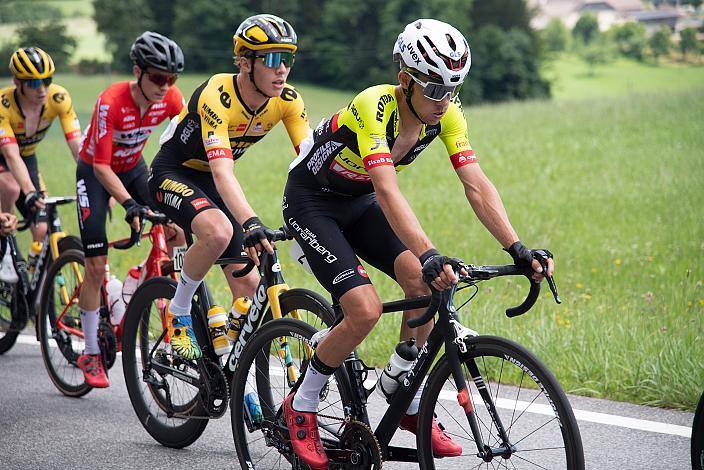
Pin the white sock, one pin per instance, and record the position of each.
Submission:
(307, 396)
(90, 320)
(181, 303)
(415, 404)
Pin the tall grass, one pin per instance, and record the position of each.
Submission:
(613, 186)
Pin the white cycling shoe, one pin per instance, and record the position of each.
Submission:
(7, 269)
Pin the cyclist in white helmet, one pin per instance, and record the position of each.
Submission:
(342, 200)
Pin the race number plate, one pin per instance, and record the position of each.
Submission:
(179, 253)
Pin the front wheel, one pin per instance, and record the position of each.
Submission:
(59, 322)
(11, 318)
(537, 417)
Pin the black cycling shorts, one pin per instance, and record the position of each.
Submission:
(333, 229)
(182, 194)
(93, 203)
(33, 170)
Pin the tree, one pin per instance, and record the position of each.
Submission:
(121, 22)
(661, 42)
(21, 11)
(52, 38)
(586, 29)
(630, 39)
(555, 36)
(688, 41)
(596, 52)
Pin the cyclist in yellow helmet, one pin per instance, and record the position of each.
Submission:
(27, 110)
(192, 178)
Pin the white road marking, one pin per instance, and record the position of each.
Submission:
(581, 415)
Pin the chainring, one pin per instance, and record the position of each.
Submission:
(214, 392)
(108, 343)
(360, 438)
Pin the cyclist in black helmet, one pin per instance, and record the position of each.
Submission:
(111, 164)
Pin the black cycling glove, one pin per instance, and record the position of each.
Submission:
(132, 210)
(30, 200)
(255, 231)
(433, 264)
(523, 257)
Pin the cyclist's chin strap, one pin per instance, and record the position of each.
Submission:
(251, 78)
(139, 85)
(408, 94)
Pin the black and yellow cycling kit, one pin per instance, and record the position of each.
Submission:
(12, 119)
(329, 201)
(216, 123)
(360, 137)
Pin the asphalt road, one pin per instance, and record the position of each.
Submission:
(42, 429)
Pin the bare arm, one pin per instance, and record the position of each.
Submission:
(397, 210)
(17, 167)
(111, 182)
(75, 146)
(486, 202)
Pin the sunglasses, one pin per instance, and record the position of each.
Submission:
(274, 59)
(437, 91)
(37, 82)
(159, 79)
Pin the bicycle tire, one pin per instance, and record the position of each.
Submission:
(148, 402)
(8, 316)
(698, 436)
(257, 352)
(540, 411)
(60, 350)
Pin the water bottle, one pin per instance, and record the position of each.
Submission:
(132, 281)
(238, 315)
(115, 303)
(217, 320)
(397, 368)
(251, 400)
(34, 256)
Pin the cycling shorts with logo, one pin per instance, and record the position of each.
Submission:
(93, 203)
(33, 170)
(181, 194)
(333, 229)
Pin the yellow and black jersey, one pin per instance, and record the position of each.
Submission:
(361, 136)
(13, 123)
(217, 123)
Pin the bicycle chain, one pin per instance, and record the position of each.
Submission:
(360, 438)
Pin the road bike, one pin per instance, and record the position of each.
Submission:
(59, 327)
(490, 394)
(698, 437)
(19, 301)
(174, 398)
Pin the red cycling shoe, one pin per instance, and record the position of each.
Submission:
(443, 445)
(93, 370)
(303, 429)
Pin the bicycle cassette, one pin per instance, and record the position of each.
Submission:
(366, 451)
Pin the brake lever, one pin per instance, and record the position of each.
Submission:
(142, 219)
(551, 281)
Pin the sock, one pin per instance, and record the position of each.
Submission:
(181, 303)
(90, 320)
(415, 404)
(307, 396)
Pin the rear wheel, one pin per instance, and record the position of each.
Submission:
(698, 437)
(11, 317)
(269, 365)
(532, 407)
(60, 322)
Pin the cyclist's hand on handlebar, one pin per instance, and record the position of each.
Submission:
(8, 223)
(439, 271)
(540, 260)
(257, 238)
(133, 212)
(34, 200)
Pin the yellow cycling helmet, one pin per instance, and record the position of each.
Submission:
(264, 32)
(31, 62)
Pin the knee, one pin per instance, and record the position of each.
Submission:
(215, 232)
(95, 268)
(363, 318)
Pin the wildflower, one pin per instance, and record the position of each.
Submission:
(594, 270)
(617, 261)
(578, 285)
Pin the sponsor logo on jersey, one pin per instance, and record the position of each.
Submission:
(129, 117)
(172, 200)
(355, 113)
(103, 120)
(210, 116)
(258, 127)
(225, 99)
(188, 129)
(241, 128)
(176, 187)
(378, 141)
(362, 272)
(200, 203)
(321, 155)
(163, 104)
(217, 153)
(59, 97)
(383, 101)
(211, 141)
(349, 174)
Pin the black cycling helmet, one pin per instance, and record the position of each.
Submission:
(157, 51)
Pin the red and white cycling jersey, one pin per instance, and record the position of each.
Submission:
(117, 134)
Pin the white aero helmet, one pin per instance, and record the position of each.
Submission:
(436, 50)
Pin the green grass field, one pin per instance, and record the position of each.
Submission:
(612, 185)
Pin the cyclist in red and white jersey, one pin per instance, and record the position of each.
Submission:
(111, 164)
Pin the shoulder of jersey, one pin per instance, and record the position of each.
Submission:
(115, 91)
(57, 94)
(5, 96)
